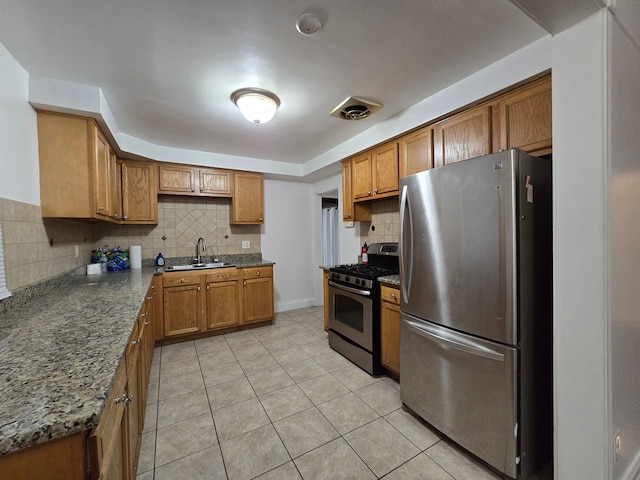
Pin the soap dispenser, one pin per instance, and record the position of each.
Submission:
(160, 260)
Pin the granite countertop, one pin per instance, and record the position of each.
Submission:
(390, 279)
(59, 354)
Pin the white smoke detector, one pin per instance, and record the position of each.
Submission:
(354, 108)
(308, 24)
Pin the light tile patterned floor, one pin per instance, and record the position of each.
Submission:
(277, 403)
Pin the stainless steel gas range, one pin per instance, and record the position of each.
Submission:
(354, 306)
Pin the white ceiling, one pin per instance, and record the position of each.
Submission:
(168, 67)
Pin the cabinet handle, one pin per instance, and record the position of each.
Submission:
(208, 287)
(153, 287)
(182, 280)
(393, 295)
(244, 283)
(137, 342)
(100, 209)
(198, 288)
(257, 274)
(125, 217)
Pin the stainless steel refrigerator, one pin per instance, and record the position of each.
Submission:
(476, 317)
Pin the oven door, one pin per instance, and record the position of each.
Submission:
(351, 314)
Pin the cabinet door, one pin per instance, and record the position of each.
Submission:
(347, 198)
(102, 174)
(182, 310)
(115, 187)
(139, 197)
(525, 118)
(390, 329)
(416, 152)
(463, 136)
(223, 304)
(176, 179)
(133, 405)
(215, 182)
(107, 444)
(385, 162)
(257, 294)
(361, 177)
(248, 198)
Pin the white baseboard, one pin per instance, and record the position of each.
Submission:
(286, 306)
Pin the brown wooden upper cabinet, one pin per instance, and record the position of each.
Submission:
(174, 179)
(416, 151)
(374, 174)
(139, 197)
(351, 211)
(463, 136)
(524, 118)
(247, 203)
(80, 176)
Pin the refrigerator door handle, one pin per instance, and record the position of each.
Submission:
(406, 255)
(459, 343)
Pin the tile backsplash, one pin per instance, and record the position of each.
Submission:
(181, 221)
(385, 222)
(37, 249)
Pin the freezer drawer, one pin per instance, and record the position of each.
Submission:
(463, 386)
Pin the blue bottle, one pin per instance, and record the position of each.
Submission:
(160, 260)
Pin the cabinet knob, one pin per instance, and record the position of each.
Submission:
(368, 193)
(198, 289)
(121, 399)
(376, 190)
(349, 215)
(128, 399)
(182, 280)
(147, 323)
(125, 217)
(100, 209)
(258, 274)
(137, 342)
(260, 219)
(244, 283)
(393, 295)
(208, 287)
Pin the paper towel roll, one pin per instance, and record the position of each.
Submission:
(135, 256)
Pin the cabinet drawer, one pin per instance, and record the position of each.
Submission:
(177, 279)
(222, 275)
(389, 294)
(257, 272)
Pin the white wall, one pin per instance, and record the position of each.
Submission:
(19, 169)
(287, 240)
(580, 242)
(624, 228)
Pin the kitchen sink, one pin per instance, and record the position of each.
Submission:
(198, 266)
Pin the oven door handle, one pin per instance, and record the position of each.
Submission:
(366, 293)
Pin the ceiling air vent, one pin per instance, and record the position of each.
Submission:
(354, 108)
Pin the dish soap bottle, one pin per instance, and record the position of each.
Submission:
(160, 260)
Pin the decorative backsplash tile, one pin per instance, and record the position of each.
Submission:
(385, 222)
(37, 249)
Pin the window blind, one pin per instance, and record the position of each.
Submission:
(4, 293)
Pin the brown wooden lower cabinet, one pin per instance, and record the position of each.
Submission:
(206, 302)
(390, 329)
(257, 294)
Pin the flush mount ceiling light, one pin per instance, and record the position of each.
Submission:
(256, 105)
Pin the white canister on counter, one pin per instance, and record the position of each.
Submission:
(135, 256)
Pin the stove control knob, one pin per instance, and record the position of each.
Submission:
(346, 279)
(357, 281)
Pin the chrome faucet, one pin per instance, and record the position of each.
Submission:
(201, 247)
